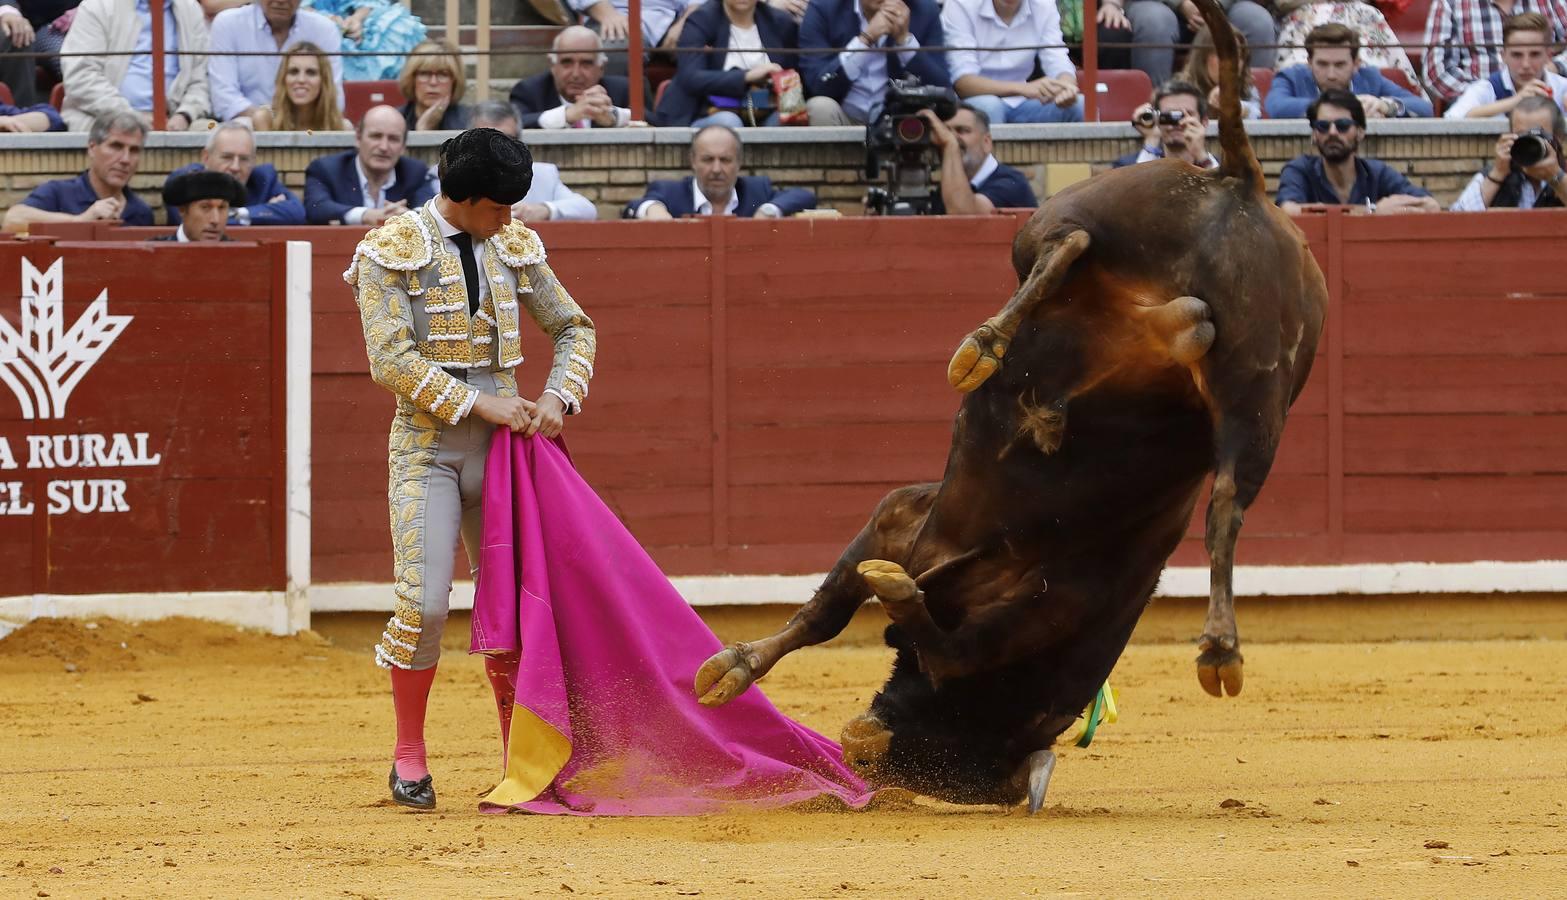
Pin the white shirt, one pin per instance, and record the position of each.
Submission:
(1146, 155)
(556, 118)
(1471, 201)
(1480, 93)
(987, 169)
(447, 229)
(356, 216)
(179, 235)
(564, 203)
(974, 23)
(745, 48)
(704, 207)
(867, 72)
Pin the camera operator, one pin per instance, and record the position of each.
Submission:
(1527, 171)
(1175, 125)
(973, 181)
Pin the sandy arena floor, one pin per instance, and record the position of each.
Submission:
(188, 759)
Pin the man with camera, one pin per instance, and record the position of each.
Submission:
(850, 87)
(1175, 125)
(973, 181)
(1527, 71)
(1527, 171)
(1338, 175)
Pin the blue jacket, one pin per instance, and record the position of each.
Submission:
(332, 186)
(753, 191)
(702, 74)
(1294, 89)
(262, 186)
(834, 23)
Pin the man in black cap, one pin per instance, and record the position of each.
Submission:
(203, 199)
(441, 292)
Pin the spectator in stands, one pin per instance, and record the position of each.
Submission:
(548, 198)
(661, 24)
(1202, 72)
(998, 81)
(231, 149)
(1115, 28)
(371, 183)
(1527, 71)
(848, 88)
(711, 88)
(385, 28)
(575, 92)
(303, 97)
(716, 187)
(795, 8)
(1379, 44)
(38, 117)
(1338, 175)
(434, 81)
(20, 29)
(1462, 36)
(1165, 23)
(200, 202)
(973, 181)
(1180, 112)
(100, 194)
(103, 81)
(1506, 185)
(242, 85)
(1333, 63)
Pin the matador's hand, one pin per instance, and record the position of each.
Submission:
(549, 417)
(513, 412)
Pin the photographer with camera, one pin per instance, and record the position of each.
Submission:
(1175, 125)
(973, 181)
(1338, 175)
(850, 87)
(1527, 171)
(1527, 71)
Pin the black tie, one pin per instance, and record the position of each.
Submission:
(470, 268)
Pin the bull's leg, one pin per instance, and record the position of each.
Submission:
(890, 532)
(979, 355)
(1246, 451)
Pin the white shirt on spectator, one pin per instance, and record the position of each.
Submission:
(867, 72)
(240, 82)
(563, 202)
(1471, 200)
(704, 207)
(1480, 93)
(356, 216)
(974, 23)
(136, 86)
(556, 118)
(745, 48)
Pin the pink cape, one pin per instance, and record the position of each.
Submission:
(605, 721)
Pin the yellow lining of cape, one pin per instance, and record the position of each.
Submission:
(535, 754)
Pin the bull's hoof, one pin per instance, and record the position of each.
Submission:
(1220, 666)
(888, 581)
(1193, 336)
(865, 742)
(725, 675)
(977, 358)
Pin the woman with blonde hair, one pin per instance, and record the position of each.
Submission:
(303, 96)
(433, 80)
(1202, 70)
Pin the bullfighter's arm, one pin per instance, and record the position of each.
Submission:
(395, 361)
(576, 344)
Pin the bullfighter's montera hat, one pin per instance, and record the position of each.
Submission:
(202, 184)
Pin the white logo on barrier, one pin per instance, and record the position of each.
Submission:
(41, 365)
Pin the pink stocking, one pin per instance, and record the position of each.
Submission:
(502, 672)
(410, 699)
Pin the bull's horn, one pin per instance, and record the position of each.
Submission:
(1041, 763)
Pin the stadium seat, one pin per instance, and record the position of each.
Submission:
(1397, 76)
(57, 96)
(1120, 92)
(5, 95)
(359, 96)
(1262, 80)
(1409, 25)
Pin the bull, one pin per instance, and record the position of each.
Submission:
(1166, 318)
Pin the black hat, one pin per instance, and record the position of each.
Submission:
(483, 162)
(202, 184)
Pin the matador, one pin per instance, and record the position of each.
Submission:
(441, 293)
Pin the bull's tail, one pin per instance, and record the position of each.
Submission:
(1240, 161)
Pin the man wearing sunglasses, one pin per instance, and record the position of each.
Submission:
(1338, 175)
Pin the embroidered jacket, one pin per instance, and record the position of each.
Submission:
(413, 304)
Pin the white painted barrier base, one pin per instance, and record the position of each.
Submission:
(265, 610)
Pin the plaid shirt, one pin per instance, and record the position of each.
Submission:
(1457, 32)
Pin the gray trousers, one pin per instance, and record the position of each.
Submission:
(1155, 23)
(436, 494)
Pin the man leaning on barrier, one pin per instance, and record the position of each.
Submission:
(715, 186)
(100, 194)
(1527, 170)
(1338, 175)
(231, 149)
(203, 200)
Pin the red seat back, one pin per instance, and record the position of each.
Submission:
(1121, 92)
(359, 96)
(1397, 76)
(1409, 25)
(57, 96)
(1262, 80)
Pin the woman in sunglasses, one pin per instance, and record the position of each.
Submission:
(1338, 175)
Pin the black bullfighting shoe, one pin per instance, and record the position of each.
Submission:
(413, 794)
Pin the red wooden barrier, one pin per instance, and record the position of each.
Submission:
(761, 384)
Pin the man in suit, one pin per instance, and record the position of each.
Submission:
(231, 149)
(1333, 61)
(203, 200)
(575, 92)
(548, 198)
(849, 88)
(372, 183)
(715, 186)
(973, 181)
